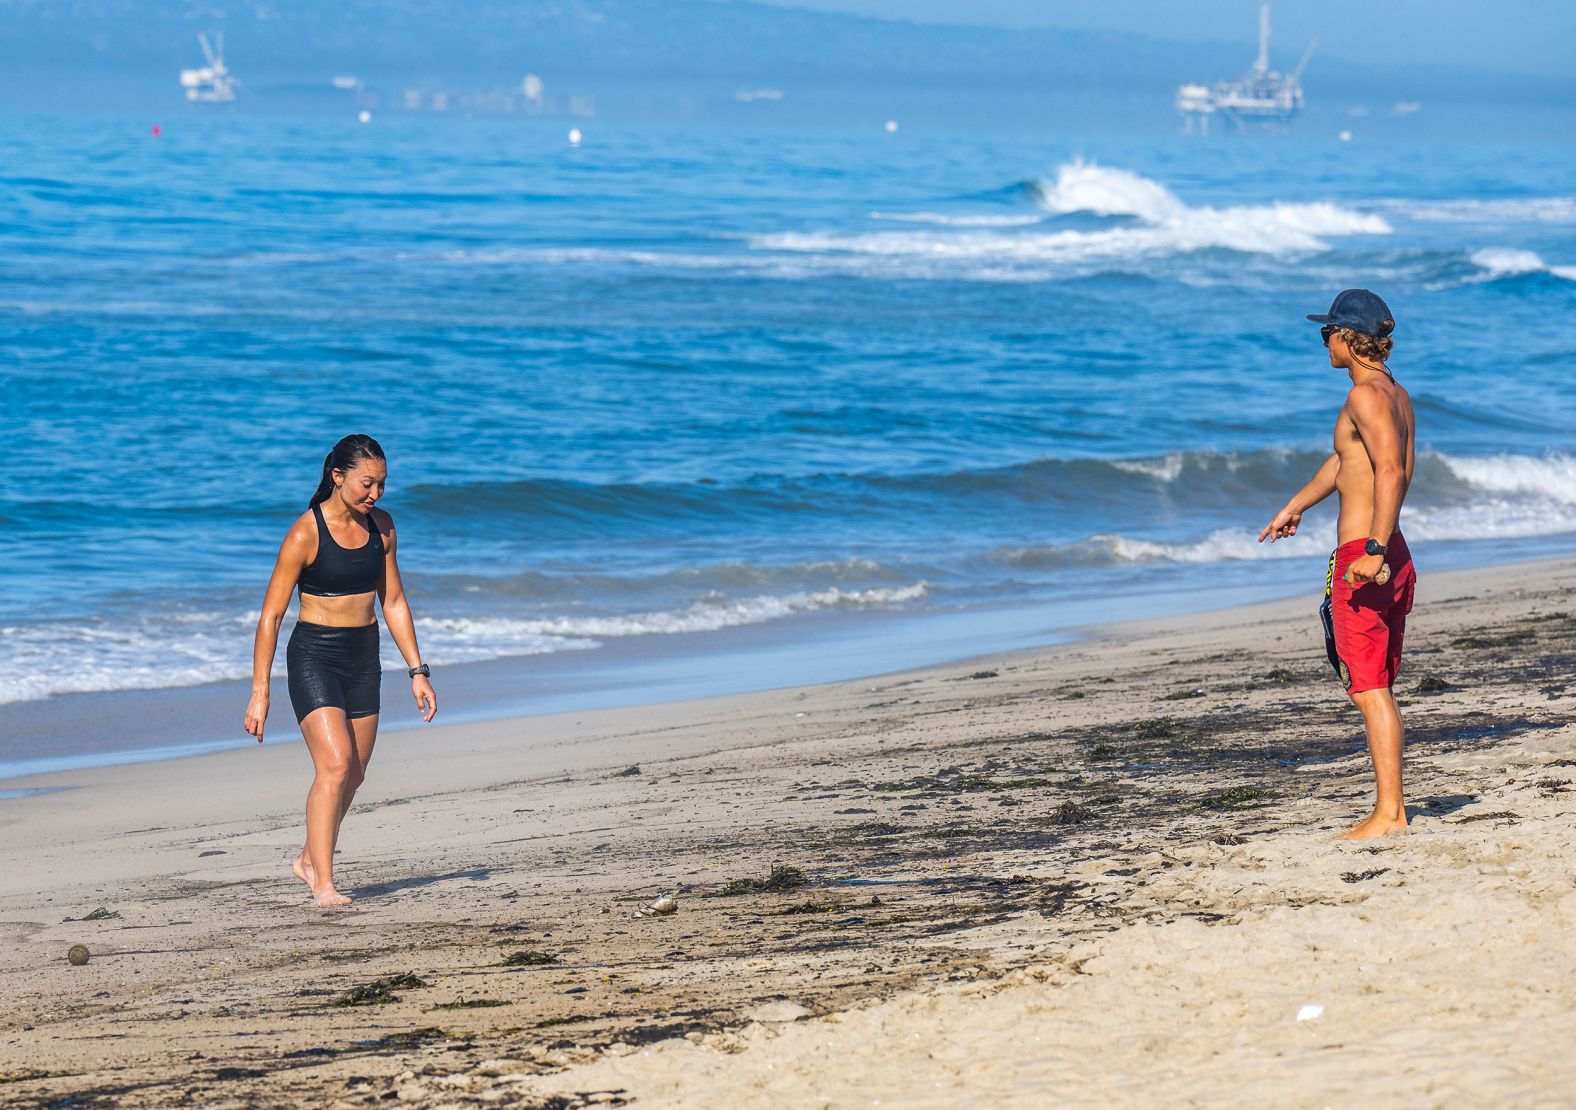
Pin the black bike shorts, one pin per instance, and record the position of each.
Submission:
(332, 666)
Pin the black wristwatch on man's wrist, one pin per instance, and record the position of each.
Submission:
(423, 670)
(1374, 547)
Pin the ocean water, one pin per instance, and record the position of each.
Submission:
(686, 381)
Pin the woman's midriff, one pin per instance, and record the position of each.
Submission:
(351, 611)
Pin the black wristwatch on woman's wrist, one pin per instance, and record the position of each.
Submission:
(423, 670)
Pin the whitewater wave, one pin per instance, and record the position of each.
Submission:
(1200, 483)
(1168, 468)
(159, 651)
(1552, 477)
(1187, 496)
(1509, 261)
(708, 615)
(1089, 218)
(61, 657)
(1543, 210)
(709, 580)
(1275, 228)
(946, 220)
(1155, 222)
(1528, 496)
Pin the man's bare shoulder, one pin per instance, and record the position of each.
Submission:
(1375, 396)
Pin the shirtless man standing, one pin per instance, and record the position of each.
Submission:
(1372, 578)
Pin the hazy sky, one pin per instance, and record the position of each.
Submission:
(1527, 35)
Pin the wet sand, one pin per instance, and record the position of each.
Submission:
(1095, 873)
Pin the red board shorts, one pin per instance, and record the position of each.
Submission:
(1365, 625)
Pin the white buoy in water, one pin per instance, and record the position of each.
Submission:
(574, 136)
(364, 116)
(891, 126)
(1345, 136)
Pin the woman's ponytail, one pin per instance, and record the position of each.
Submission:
(345, 455)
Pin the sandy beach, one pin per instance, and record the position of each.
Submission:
(1099, 873)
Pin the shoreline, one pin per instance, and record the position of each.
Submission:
(621, 674)
(891, 842)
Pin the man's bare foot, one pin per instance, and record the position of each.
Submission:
(302, 867)
(1376, 824)
(328, 896)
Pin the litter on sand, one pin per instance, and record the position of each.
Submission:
(665, 904)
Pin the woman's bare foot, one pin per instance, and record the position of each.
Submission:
(302, 866)
(328, 896)
(1376, 824)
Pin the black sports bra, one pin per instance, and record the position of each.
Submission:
(339, 571)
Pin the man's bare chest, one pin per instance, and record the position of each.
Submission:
(1346, 438)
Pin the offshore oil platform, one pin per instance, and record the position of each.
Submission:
(1261, 99)
(212, 83)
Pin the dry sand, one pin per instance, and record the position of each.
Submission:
(1100, 873)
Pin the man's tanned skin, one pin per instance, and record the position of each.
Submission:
(1371, 469)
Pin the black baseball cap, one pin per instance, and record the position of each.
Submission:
(1362, 310)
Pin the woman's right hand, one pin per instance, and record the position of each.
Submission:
(256, 715)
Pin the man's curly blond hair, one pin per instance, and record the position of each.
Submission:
(1369, 348)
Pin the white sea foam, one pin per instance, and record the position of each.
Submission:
(1162, 225)
(947, 220)
(1502, 519)
(1276, 227)
(61, 657)
(1081, 186)
(1550, 477)
(1507, 497)
(1166, 469)
(1507, 261)
(1226, 545)
(1548, 210)
(513, 256)
(156, 652)
(1487, 519)
(991, 246)
(702, 616)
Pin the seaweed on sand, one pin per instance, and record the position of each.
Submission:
(379, 992)
(1069, 813)
(1238, 797)
(783, 878)
(471, 1004)
(573, 1019)
(808, 907)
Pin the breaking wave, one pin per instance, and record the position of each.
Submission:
(156, 651)
(470, 634)
(1144, 219)
(1537, 210)
(1509, 261)
(1200, 501)
(1452, 498)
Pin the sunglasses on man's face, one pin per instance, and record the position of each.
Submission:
(1327, 331)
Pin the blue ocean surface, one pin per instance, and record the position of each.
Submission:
(688, 380)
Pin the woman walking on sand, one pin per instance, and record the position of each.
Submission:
(341, 554)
